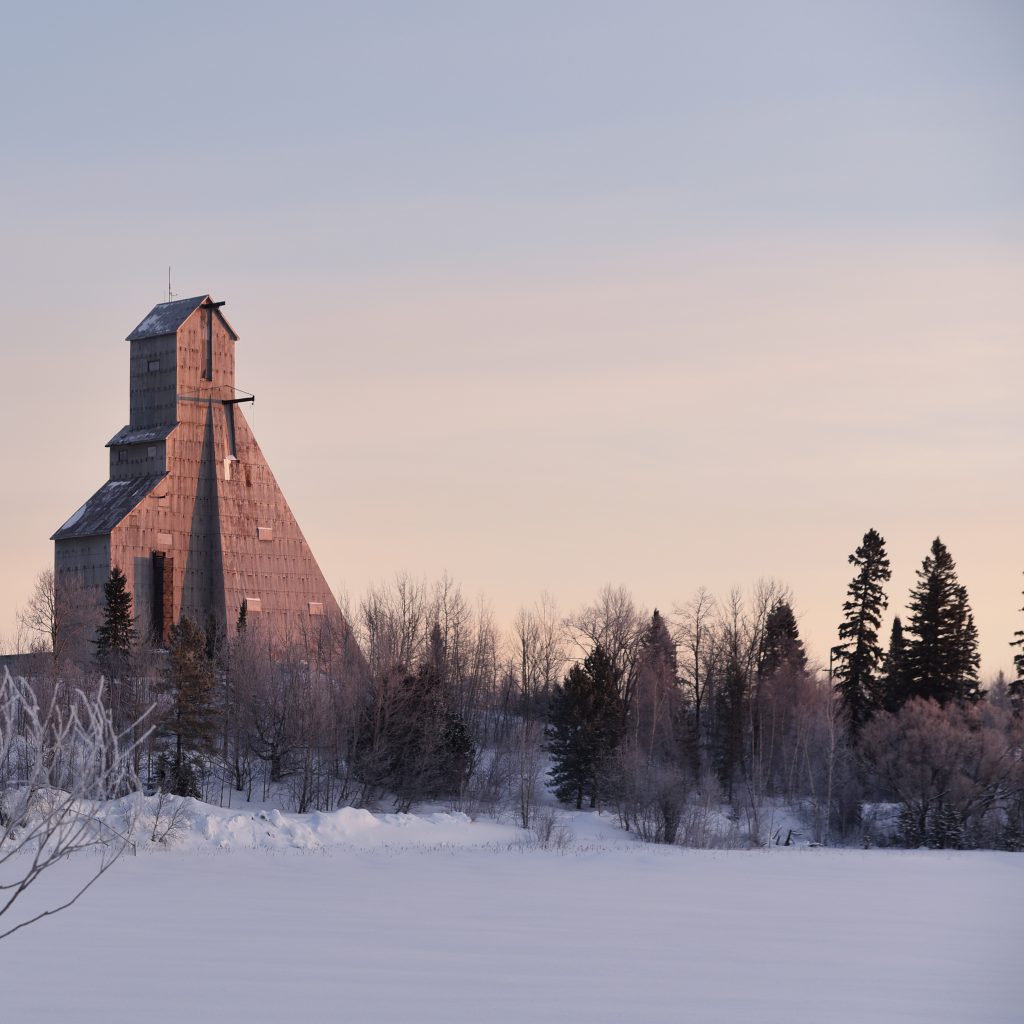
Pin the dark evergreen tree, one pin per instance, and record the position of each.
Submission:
(584, 727)
(116, 634)
(1016, 688)
(729, 705)
(243, 616)
(780, 643)
(409, 741)
(657, 725)
(966, 660)
(942, 649)
(857, 674)
(894, 670)
(191, 721)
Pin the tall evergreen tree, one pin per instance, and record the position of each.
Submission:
(584, 727)
(1016, 688)
(942, 651)
(116, 634)
(860, 660)
(655, 717)
(729, 707)
(894, 670)
(780, 644)
(191, 722)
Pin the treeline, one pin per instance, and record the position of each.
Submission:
(694, 726)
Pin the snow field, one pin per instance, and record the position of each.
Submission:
(441, 919)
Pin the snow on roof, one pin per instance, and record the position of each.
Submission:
(108, 506)
(167, 317)
(145, 435)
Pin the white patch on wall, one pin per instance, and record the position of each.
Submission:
(264, 533)
(253, 604)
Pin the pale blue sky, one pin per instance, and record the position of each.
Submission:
(546, 295)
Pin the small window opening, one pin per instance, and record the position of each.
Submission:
(253, 604)
(264, 533)
(122, 455)
(154, 365)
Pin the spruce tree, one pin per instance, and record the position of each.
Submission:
(656, 723)
(116, 634)
(191, 721)
(894, 670)
(584, 727)
(860, 660)
(780, 643)
(942, 650)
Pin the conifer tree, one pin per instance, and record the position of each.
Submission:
(191, 721)
(655, 714)
(942, 651)
(780, 644)
(860, 660)
(894, 670)
(585, 724)
(116, 634)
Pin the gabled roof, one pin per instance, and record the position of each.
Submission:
(144, 435)
(108, 506)
(167, 317)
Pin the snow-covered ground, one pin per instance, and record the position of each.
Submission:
(359, 918)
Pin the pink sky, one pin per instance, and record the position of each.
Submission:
(649, 294)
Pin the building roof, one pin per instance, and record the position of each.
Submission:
(108, 506)
(144, 435)
(167, 317)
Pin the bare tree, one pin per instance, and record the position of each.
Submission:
(58, 764)
(696, 636)
(616, 624)
(59, 617)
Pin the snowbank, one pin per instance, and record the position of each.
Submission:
(189, 824)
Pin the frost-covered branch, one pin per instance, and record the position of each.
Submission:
(60, 761)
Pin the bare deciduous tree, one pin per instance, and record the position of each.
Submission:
(58, 764)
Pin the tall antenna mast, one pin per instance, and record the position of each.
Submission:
(170, 294)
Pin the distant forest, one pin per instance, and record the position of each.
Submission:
(694, 726)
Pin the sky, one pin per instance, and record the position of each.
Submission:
(544, 296)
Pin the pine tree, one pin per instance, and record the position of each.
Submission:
(860, 661)
(116, 634)
(191, 721)
(966, 660)
(894, 670)
(655, 715)
(585, 725)
(780, 644)
(942, 652)
(243, 617)
(1017, 686)
(730, 715)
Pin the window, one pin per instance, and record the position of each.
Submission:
(253, 604)
(164, 540)
(264, 533)
(122, 454)
(153, 365)
(152, 451)
(316, 607)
